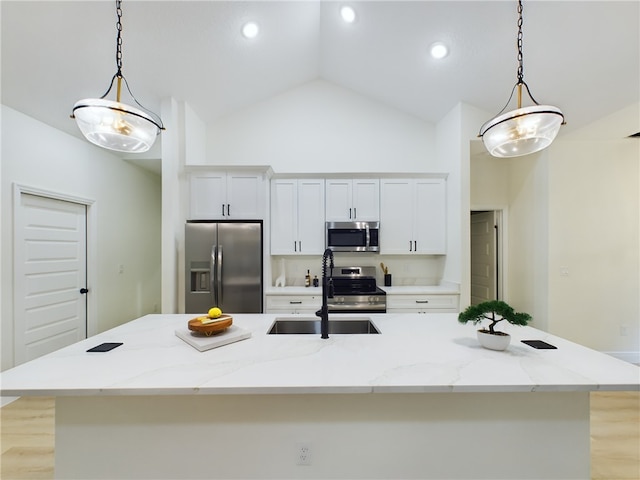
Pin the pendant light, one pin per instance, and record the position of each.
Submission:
(524, 130)
(114, 125)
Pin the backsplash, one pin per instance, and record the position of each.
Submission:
(405, 270)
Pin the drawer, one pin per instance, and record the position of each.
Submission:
(293, 301)
(423, 302)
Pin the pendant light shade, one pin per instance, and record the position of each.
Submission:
(524, 130)
(115, 125)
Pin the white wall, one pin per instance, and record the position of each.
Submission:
(127, 199)
(594, 198)
(455, 133)
(323, 128)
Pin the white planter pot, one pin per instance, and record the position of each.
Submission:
(494, 342)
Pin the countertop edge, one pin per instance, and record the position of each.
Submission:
(324, 390)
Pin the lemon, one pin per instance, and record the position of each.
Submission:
(214, 312)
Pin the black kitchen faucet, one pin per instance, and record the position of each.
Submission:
(327, 292)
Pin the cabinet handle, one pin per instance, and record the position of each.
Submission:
(228, 210)
(295, 246)
(410, 246)
(355, 213)
(300, 246)
(299, 302)
(415, 245)
(223, 210)
(349, 214)
(422, 301)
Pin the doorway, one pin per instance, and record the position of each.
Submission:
(487, 263)
(49, 274)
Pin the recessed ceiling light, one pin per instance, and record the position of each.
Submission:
(250, 30)
(438, 50)
(348, 14)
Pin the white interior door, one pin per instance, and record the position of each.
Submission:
(484, 268)
(50, 269)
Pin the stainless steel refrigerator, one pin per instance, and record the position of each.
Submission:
(223, 262)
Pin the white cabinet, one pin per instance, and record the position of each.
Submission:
(297, 216)
(353, 200)
(219, 195)
(293, 304)
(413, 216)
(428, 303)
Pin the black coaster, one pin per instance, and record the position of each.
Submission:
(539, 344)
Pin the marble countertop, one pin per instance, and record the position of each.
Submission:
(445, 289)
(413, 353)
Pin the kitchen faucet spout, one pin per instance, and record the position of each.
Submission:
(327, 292)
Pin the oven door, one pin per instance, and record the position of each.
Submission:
(357, 304)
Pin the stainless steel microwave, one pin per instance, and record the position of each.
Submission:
(352, 236)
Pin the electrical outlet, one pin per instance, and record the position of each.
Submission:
(303, 454)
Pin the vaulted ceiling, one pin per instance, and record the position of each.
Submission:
(582, 56)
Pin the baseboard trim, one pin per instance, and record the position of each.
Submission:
(631, 357)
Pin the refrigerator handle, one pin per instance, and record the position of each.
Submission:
(212, 267)
(219, 300)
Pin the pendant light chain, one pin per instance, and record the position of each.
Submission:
(520, 61)
(119, 38)
(119, 78)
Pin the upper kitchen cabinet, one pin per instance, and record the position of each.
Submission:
(222, 195)
(353, 200)
(297, 216)
(413, 216)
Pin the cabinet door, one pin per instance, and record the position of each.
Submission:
(311, 217)
(208, 194)
(244, 196)
(396, 216)
(430, 216)
(366, 200)
(284, 217)
(338, 201)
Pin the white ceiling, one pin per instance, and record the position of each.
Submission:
(582, 56)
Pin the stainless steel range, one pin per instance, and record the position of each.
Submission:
(355, 291)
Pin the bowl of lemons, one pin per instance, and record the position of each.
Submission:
(213, 323)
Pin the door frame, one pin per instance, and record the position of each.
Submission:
(502, 256)
(91, 229)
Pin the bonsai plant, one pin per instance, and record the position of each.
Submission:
(495, 311)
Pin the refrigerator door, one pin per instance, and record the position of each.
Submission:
(238, 279)
(223, 267)
(199, 245)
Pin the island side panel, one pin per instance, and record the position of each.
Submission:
(438, 435)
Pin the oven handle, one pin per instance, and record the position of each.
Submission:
(367, 235)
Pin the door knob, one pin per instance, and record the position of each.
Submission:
(84, 290)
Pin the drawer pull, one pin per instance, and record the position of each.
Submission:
(295, 303)
(422, 301)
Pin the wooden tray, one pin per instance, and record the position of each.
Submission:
(220, 325)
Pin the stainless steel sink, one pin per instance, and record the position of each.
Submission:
(311, 325)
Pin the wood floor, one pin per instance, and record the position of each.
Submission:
(27, 437)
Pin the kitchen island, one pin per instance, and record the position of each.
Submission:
(420, 400)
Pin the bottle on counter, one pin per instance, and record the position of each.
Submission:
(307, 279)
(315, 281)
